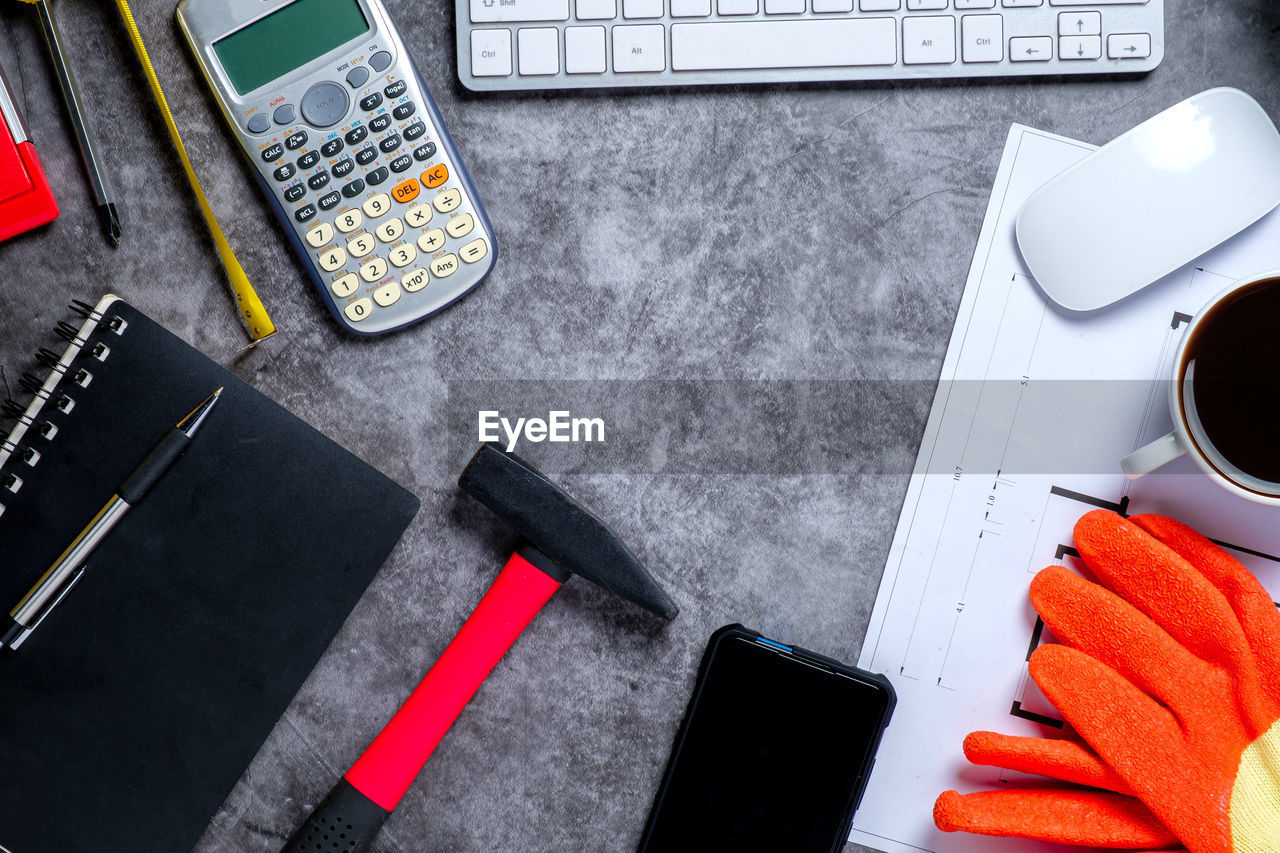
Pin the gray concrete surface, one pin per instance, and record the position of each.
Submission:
(763, 234)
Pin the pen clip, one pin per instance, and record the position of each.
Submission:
(22, 635)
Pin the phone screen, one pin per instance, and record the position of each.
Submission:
(772, 754)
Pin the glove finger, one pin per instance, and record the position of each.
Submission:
(1139, 738)
(1108, 629)
(1089, 818)
(1252, 604)
(1065, 760)
(1155, 579)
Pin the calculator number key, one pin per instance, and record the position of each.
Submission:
(346, 285)
(460, 226)
(418, 216)
(415, 281)
(320, 235)
(359, 309)
(333, 259)
(403, 255)
(348, 222)
(388, 294)
(447, 201)
(374, 270)
(390, 230)
(445, 266)
(377, 205)
(431, 241)
(361, 245)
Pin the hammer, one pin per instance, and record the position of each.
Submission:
(560, 538)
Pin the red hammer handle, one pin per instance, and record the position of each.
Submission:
(388, 767)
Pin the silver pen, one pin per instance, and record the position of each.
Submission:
(67, 570)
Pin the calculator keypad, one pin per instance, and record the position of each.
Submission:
(376, 246)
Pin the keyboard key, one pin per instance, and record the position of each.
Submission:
(491, 53)
(1034, 49)
(357, 134)
(1080, 23)
(353, 188)
(1080, 47)
(373, 270)
(343, 167)
(330, 201)
(599, 10)
(284, 172)
(782, 44)
(348, 221)
(345, 285)
(361, 245)
(320, 235)
(380, 60)
(982, 38)
(741, 7)
(474, 251)
(388, 294)
(823, 6)
(414, 281)
(377, 176)
(539, 50)
(402, 255)
(928, 41)
(332, 147)
(415, 130)
(294, 192)
(333, 259)
(1022, 4)
(431, 241)
(406, 191)
(395, 90)
(690, 8)
(642, 8)
(783, 7)
(975, 4)
(519, 10)
(380, 123)
(878, 5)
(357, 77)
(1097, 2)
(584, 49)
(643, 48)
(1129, 46)
(444, 266)
(404, 110)
(372, 102)
(390, 230)
(358, 310)
(377, 205)
(418, 216)
(401, 163)
(391, 143)
(259, 123)
(305, 213)
(306, 161)
(436, 176)
(926, 5)
(460, 226)
(366, 155)
(318, 180)
(294, 141)
(272, 152)
(447, 201)
(423, 153)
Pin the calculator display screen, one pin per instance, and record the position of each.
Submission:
(287, 39)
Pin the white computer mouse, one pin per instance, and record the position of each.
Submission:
(1153, 200)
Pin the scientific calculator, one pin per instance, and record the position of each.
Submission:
(351, 151)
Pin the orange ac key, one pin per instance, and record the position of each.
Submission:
(435, 176)
(406, 191)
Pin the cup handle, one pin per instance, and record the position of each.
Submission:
(1148, 458)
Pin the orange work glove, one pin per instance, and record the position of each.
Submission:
(1170, 670)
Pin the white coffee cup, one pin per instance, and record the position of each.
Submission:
(1188, 435)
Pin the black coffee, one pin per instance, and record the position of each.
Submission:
(1234, 356)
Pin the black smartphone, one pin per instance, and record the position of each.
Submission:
(774, 751)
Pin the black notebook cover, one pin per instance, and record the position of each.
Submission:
(130, 713)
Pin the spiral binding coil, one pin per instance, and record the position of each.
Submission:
(32, 422)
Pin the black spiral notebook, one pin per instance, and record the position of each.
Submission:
(132, 710)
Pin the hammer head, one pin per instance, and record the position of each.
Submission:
(560, 528)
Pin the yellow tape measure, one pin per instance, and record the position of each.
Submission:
(252, 313)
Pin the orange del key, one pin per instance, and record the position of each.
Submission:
(25, 198)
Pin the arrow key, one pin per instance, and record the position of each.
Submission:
(1080, 47)
(1129, 46)
(1080, 23)
(1030, 49)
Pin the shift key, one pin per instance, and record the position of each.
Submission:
(503, 11)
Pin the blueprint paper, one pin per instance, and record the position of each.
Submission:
(952, 626)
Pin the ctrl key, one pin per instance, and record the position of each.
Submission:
(491, 53)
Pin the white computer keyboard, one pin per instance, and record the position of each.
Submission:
(568, 44)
